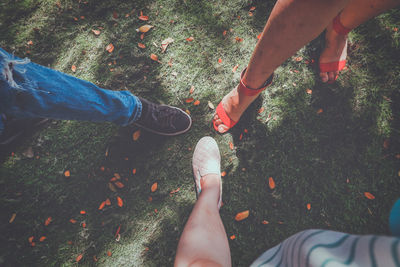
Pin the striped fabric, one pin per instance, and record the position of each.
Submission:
(329, 248)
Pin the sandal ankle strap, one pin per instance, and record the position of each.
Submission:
(338, 27)
(249, 91)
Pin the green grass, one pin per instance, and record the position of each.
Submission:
(309, 155)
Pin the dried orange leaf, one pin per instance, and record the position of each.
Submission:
(144, 28)
(265, 222)
(165, 43)
(84, 225)
(95, 258)
(144, 18)
(231, 145)
(319, 111)
(211, 105)
(73, 68)
(271, 182)
(80, 256)
(175, 191)
(136, 135)
(235, 68)
(109, 253)
(102, 205)
(96, 32)
(82, 212)
(232, 237)
(309, 91)
(112, 187)
(119, 184)
(191, 90)
(29, 42)
(369, 195)
(48, 221)
(12, 218)
(308, 206)
(223, 173)
(196, 103)
(154, 57)
(110, 48)
(242, 215)
(238, 39)
(108, 202)
(220, 60)
(72, 221)
(252, 8)
(189, 39)
(141, 45)
(298, 59)
(154, 187)
(241, 136)
(120, 202)
(30, 239)
(261, 110)
(67, 173)
(43, 238)
(134, 171)
(189, 100)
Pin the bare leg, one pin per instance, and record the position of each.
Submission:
(290, 26)
(204, 241)
(353, 15)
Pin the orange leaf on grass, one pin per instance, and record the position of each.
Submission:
(175, 191)
(134, 171)
(220, 60)
(29, 42)
(72, 221)
(67, 173)
(319, 111)
(223, 173)
(110, 48)
(224, 33)
(241, 136)
(191, 90)
(12, 218)
(189, 39)
(142, 36)
(30, 239)
(369, 195)
(242, 215)
(144, 28)
(144, 18)
(196, 103)
(154, 57)
(189, 100)
(271, 182)
(265, 222)
(95, 258)
(232, 237)
(43, 238)
(84, 225)
(80, 256)
(309, 91)
(231, 145)
(261, 110)
(154, 187)
(73, 68)
(252, 8)
(238, 39)
(120, 202)
(308, 206)
(108, 202)
(82, 212)
(109, 253)
(96, 32)
(48, 221)
(102, 205)
(141, 45)
(235, 68)
(119, 184)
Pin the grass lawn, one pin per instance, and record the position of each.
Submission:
(324, 145)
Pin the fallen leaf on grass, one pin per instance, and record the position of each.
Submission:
(84, 225)
(141, 45)
(48, 221)
(319, 111)
(231, 145)
(271, 182)
(67, 173)
(260, 110)
(144, 18)
(252, 8)
(80, 256)
(298, 59)
(154, 187)
(165, 43)
(238, 39)
(30, 239)
(43, 238)
(191, 90)
(108, 202)
(223, 173)
(112, 187)
(308, 206)
(235, 68)
(134, 171)
(72, 221)
(309, 91)
(220, 60)
(242, 215)
(386, 144)
(136, 135)
(265, 222)
(95, 258)
(154, 57)
(211, 105)
(12, 218)
(241, 136)
(189, 100)
(144, 28)
(110, 48)
(96, 32)
(175, 191)
(120, 202)
(259, 36)
(232, 237)
(190, 39)
(82, 212)
(369, 195)
(196, 103)
(109, 254)
(73, 68)
(29, 42)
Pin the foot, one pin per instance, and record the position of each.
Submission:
(163, 119)
(335, 50)
(234, 103)
(207, 167)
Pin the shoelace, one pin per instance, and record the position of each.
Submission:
(164, 117)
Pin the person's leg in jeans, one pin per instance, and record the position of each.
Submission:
(204, 241)
(354, 14)
(28, 90)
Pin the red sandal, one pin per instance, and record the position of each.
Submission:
(244, 90)
(336, 65)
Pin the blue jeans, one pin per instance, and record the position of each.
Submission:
(28, 90)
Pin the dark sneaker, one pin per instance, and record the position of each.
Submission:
(15, 128)
(163, 119)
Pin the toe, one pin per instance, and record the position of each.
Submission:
(331, 76)
(323, 76)
(222, 128)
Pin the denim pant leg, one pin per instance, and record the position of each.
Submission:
(30, 90)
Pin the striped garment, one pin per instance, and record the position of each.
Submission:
(329, 248)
